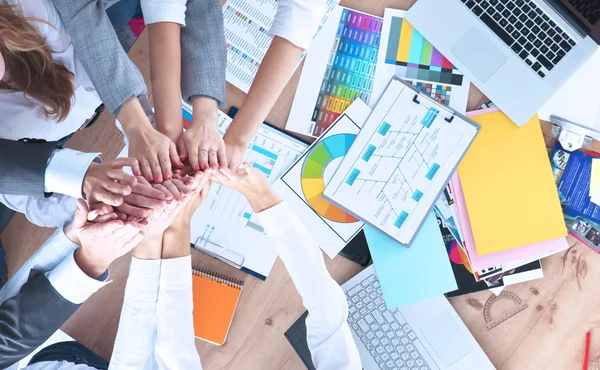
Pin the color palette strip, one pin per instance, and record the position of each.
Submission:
(408, 48)
(313, 181)
(439, 93)
(351, 67)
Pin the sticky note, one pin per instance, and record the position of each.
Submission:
(509, 187)
(595, 177)
(408, 275)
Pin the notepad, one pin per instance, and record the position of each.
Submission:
(215, 300)
(508, 186)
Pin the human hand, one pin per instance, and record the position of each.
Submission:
(144, 196)
(235, 151)
(252, 183)
(202, 145)
(100, 244)
(155, 153)
(107, 182)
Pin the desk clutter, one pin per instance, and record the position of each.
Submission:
(448, 202)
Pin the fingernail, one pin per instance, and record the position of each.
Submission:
(150, 178)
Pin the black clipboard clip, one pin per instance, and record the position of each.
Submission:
(416, 101)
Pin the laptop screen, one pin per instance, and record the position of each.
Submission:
(583, 15)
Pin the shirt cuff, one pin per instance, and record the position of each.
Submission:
(66, 170)
(176, 272)
(298, 21)
(72, 283)
(276, 219)
(164, 11)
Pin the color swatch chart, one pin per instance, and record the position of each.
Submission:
(351, 67)
(407, 48)
(439, 93)
(247, 24)
(226, 219)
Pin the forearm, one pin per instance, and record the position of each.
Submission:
(149, 249)
(165, 71)
(176, 240)
(133, 117)
(23, 167)
(277, 67)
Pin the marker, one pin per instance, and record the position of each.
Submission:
(586, 354)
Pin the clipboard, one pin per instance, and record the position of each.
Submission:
(219, 252)
(572, 136)
(337, 191)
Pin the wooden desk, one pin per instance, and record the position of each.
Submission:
(547, 335)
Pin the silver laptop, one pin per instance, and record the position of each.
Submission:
(517, 52)
(427, 335)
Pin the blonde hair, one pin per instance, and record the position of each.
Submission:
(30, 67)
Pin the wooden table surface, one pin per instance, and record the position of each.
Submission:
(549, 334)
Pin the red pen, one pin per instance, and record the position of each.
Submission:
(586, 354)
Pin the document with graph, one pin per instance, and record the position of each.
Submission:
(225, 225)
(401, 161)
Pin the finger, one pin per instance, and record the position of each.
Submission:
(141, 180)
(193, 157)
(173, 189)
(128, 210)
(109, 227)
(227, 173)
(222, 156)
(213, 160)
(123, 177)
(109, 198)
(166, 193)
(121, 216)
(202, 160)
(202, 179)
(181, 149)
(116, 188)
(126, 232)
(137, 239)
(141, 201)
(143, 221)
(165, 164)
(220, 178)
(148, 190)
(106, 218)
(146, 169)
(123, 162)
(81, 214)
(174, 156)
(182, 187)
(156, 170)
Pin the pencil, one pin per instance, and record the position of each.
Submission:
(586, 354)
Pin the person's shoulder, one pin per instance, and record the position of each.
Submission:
(44, 16)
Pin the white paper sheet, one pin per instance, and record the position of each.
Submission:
(400, 162)
(453, 94)
(577, 100)
(307, 179)
(247, 24)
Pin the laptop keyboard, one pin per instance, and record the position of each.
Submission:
(526, 29)
(590, 9)
(385, 333)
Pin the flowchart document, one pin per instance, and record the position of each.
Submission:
(225, 225)
(401, 161)
(247, 24)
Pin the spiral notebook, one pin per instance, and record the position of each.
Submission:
(215, 300)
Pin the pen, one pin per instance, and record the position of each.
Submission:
(586, 354)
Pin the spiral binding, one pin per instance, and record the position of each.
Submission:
(219, 278)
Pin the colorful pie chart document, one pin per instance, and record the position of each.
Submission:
(401, 161)
(303, 184)
(225, 226)
(404, 53)
(247, 24)
(339, 68)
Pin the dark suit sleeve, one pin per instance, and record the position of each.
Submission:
(23, 166)
(30, 318)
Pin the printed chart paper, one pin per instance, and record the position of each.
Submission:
(225, 224)
(302, 186)
(247, 24)
(400, 162)
(404, 53)
(339, 67)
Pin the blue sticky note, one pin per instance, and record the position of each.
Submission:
(408, 275)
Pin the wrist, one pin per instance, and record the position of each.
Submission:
(86, 185)
(264, 201)
(92, 266)
(70, 233)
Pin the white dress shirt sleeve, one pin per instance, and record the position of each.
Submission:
(66, 170)
(164, 11)
(72, 283)
(53, 211)
(298, 20)
(328, 334)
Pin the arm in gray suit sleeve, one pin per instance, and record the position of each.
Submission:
(23, 167)
(113, 74)
(203, 52)
(28, 319)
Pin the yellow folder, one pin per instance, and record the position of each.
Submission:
(508, 186)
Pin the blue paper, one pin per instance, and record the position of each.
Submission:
(408, 275)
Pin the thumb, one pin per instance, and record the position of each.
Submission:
(81, 214)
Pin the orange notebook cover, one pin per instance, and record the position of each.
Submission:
(215, 300)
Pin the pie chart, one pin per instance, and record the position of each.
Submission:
(313, 175)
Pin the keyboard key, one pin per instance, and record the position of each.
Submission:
(499, 7)
(389, 349)
(531, 37)
(542, 36)
(535, 52)
(525, 31)
(529, 23)
(380, 350)
(382, 308)
(404, 340)
(550, 55)
(503, 22)
(529, 62)
(512, 19)
(405, 356)
(362, 294)
(554, 48)
(379, 334)
(538, 10)
(363, 325)
(374, 326)
(551, 32)
(354, 290)
(394, 355)
(538, 20)
(400, 318)
(410, 348)
(548, 41)
(407, 329)
(390, 335)
(510, 6)
(412, 335)
(390, 364)
(516, 48)
(484, 5)
(419, 361)
(535, 30)
(559, 56)
(546, 18)
(378, 317)
(371, 306)
(524, 54)
(517, 12)
(364, 339)
(571, 42)
(516, 34)
(565, 45)
(491, 11)
(520, 3)
(375, 342)
(385, 341)
(414, 355)
(536, 66)
(395, 341)
(477, 10)
(389, 318)
(526, 8)
(369, 319)
(519, 25)
(545, 62)
(544, 49)
(537, 43)
(385, 357)
(558, 38)
(506, 13)
(385, 327)
(545, 26)
(470, 3)
(542, 75)
(552, 23)
(370, 335)
(410, 364)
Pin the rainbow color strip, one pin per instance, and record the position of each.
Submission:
(408, 48)
(246, 19)
(313, 183)
(351, 67)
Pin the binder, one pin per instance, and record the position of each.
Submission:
(215, 300)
